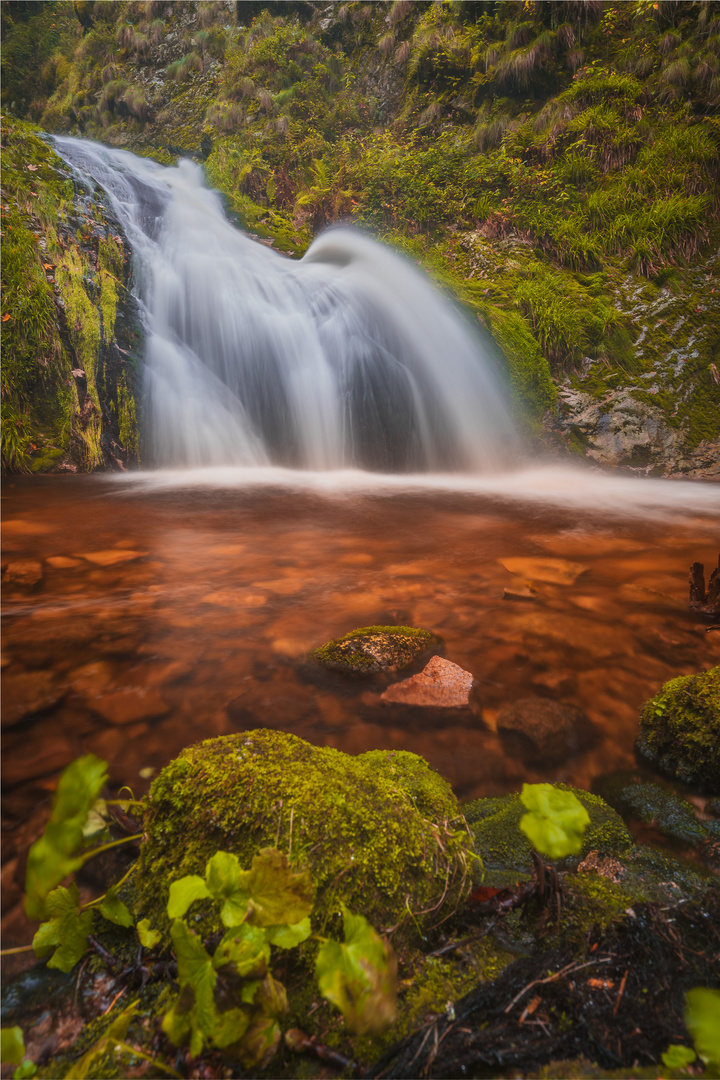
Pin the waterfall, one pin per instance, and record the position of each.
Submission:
(347, 358)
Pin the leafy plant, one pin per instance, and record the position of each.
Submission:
(702, 1018)
(677, 1056)
(12, 1052)
(231, 999)
(556, 821)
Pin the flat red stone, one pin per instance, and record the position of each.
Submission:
(440, 683)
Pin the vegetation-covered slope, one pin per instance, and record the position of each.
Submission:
(555, 165)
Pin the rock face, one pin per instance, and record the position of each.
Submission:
(620, 431)
(680, 729)
(544, 729)
(380, 832)
(439, 684)
(373, 649)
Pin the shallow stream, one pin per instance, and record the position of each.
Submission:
(174, 607)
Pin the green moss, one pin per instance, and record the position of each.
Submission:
(127, 420)
(375, 648)
(529, 371)
(506, 851)
(380, 831)
(680, 729)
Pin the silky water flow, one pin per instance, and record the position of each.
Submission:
(347, 358)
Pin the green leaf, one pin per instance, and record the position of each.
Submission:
(66, 931)
(556, 822)
(244, 948)
(702, 1019)
(277, 895)
(51, 858)
(195, 971)
(12, 1045)
(676, 1056)
(114, 910)
(25, 1070)
(230, 1027)
(148, 937)
(184, 892)
(359, 977)
(227, 882)
(287, 937)
(257, 1047)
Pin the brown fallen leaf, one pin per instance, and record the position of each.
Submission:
(601, 984)
(32, 168)
(78, 373)
(5, 317)
(47, 266)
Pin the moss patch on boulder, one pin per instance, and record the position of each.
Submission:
(506, 851)
(373, 649)
(680, 729)
(380, 832)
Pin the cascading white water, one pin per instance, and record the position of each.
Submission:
(346, 358)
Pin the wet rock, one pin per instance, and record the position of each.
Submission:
(506, 851)
(373, 649)
(380, 832)
(555, 571)
(680, 730)
(652, 804)
(26, 693)
(621, 431)
(62, 562)
(130, 704)
(544, 729)
(604, 865)
(519, 592)
(36, 757)
(112, 556)
(23, 572)
(705, 601)
(440, 684)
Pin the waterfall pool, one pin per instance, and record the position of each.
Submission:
(145, 613)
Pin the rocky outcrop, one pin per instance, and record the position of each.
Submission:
(372, 650)
(620, 431)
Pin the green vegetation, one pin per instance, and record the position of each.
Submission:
(556, 822)
(680, 729)
(61, 292)
(373, 649)
(556, 165)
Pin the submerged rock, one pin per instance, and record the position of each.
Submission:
(680, 729)
(545, 729)
(380, 832)
(652, 804)
(440, 684)
(373, 649)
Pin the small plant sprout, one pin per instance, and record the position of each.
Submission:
(556, 821)
(702, 1019)
(12, 1052)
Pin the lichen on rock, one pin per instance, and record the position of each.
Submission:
(680, 729)
(380, 832)
(373, 649)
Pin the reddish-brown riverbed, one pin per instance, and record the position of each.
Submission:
(161, 616)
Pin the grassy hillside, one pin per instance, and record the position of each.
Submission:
(554, 165)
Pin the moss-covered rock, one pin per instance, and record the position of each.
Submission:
(650, 803)
(680, 729)
(506, 851)
(380, 832)
(373, 649)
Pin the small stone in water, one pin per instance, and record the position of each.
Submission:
(112, 556)
(440, 683)
(556, 571)
(24, 572)
(62, 562)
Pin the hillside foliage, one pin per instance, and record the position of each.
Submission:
(554, 164)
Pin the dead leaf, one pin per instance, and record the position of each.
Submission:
(47, 266)
(601, 984)
(5, 317)
(78, 373)
(33, 168)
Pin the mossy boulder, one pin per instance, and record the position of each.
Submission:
(674, 816)
(506, 851)
(680, 729)
(374, 649)
(380, 832)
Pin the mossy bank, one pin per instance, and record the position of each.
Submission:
(71, 337)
